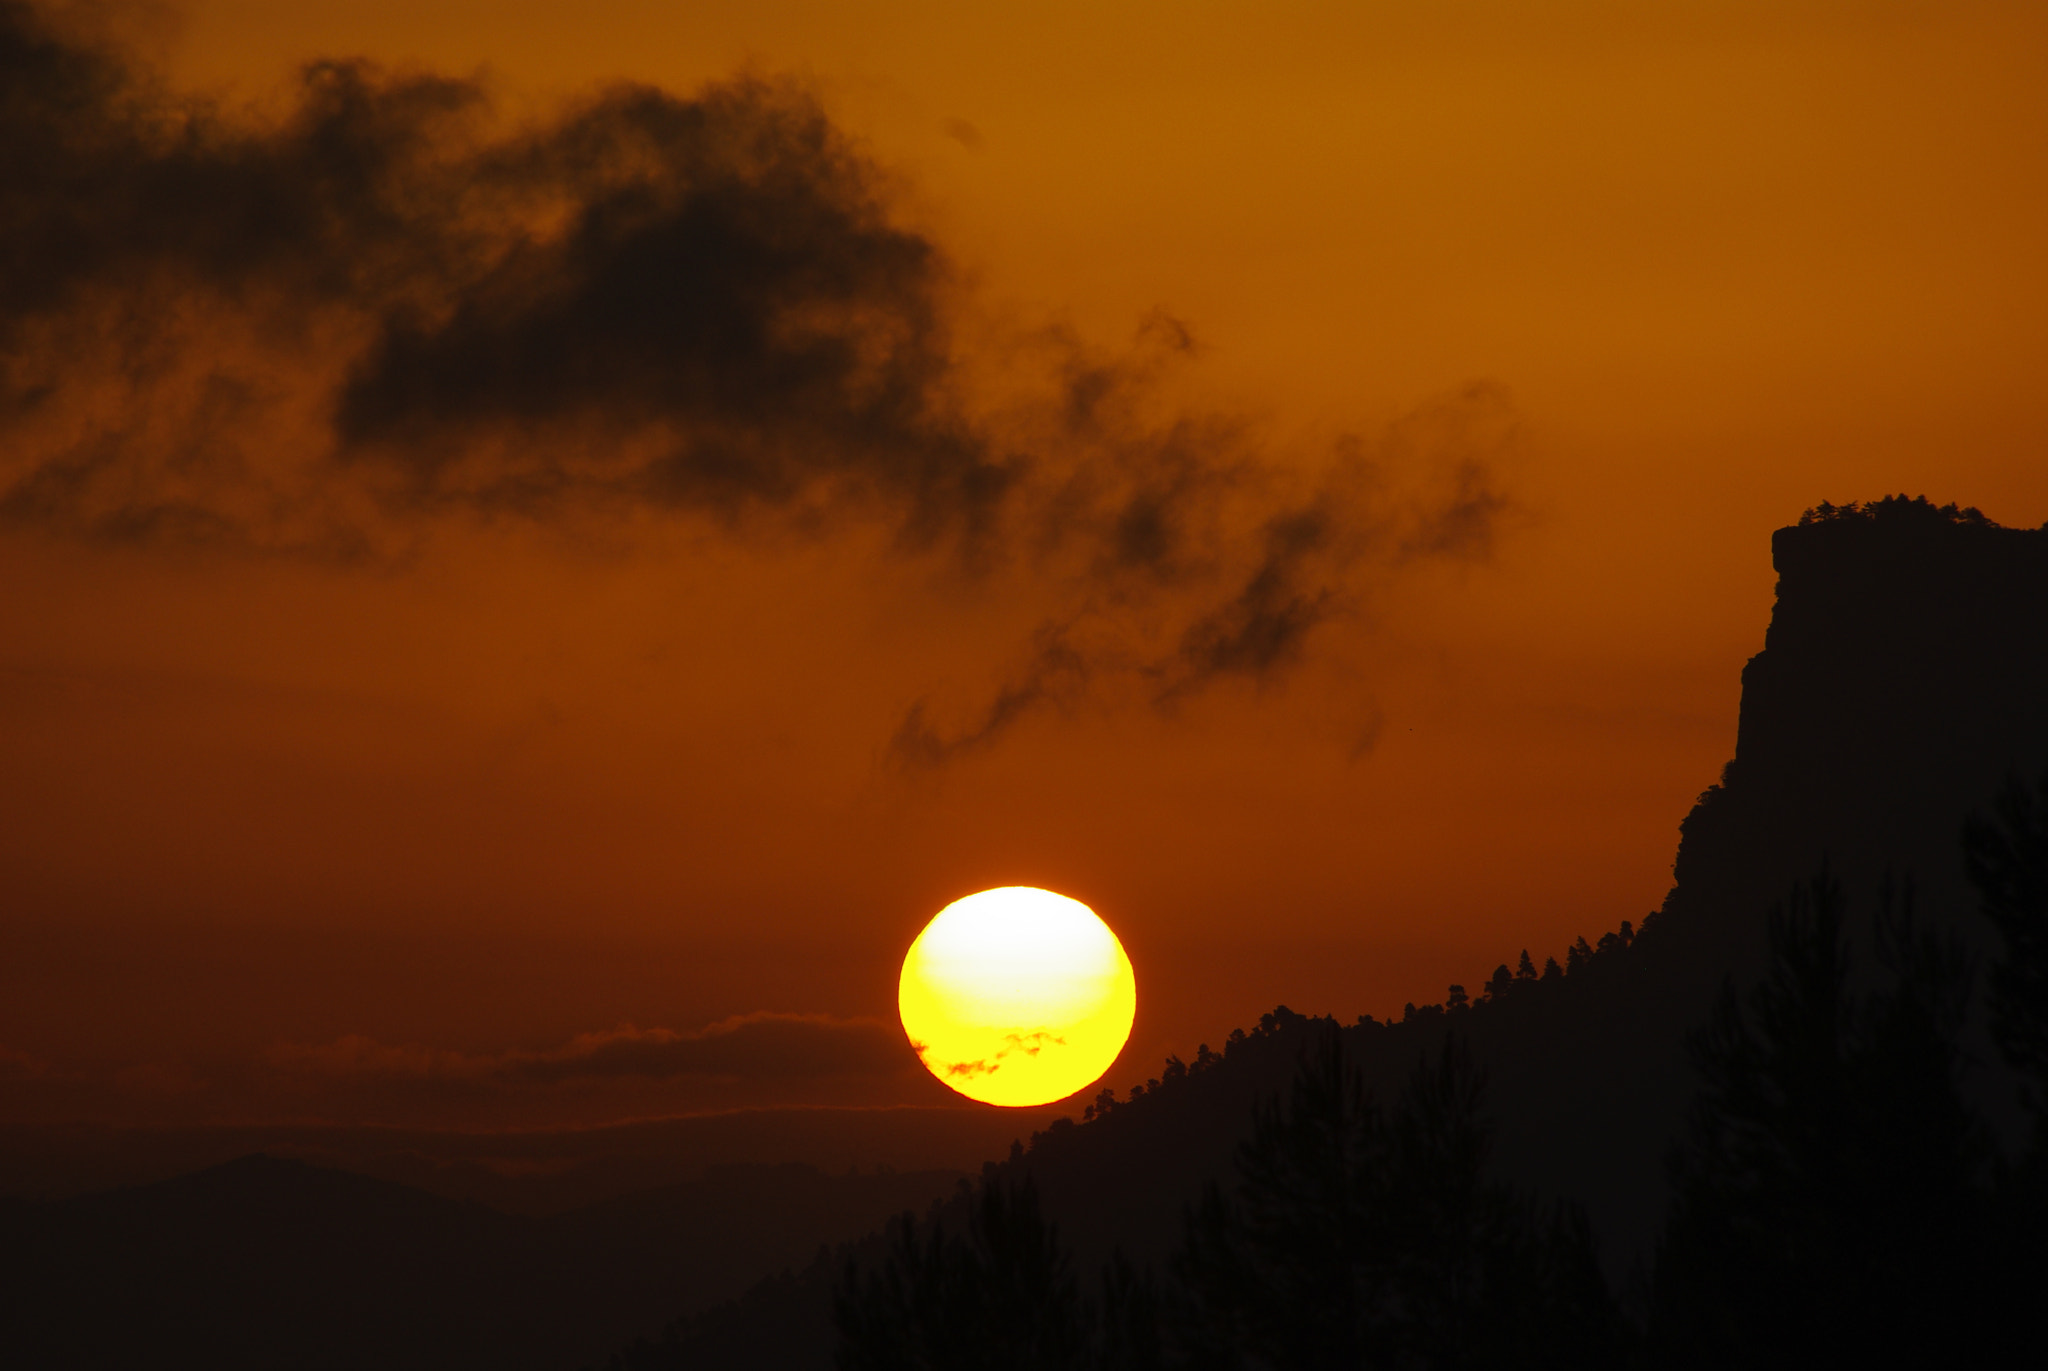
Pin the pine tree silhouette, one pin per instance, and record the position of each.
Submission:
(1359, 1237)
(1002, 1298)
(1829, 1208)
(2007, 858)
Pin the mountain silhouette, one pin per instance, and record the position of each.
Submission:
(1902, 681)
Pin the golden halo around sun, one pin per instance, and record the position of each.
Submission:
(1017, 996)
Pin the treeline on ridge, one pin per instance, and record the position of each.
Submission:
(1503, 986)
(1836, 1199)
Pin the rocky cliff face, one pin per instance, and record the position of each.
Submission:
(1904, 676)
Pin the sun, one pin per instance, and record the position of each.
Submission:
(1017, 996)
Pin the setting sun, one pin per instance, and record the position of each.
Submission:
(1017, 996)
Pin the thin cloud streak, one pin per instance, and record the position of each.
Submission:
(763, 1046)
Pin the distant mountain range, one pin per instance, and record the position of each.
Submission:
(267, 1262)
(535, 1171)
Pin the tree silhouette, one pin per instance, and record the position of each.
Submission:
(1829, 1207)
(1132, 1324)
(1359, 1237)
(1001, 1298)
(2007, 858)
(1577, 956)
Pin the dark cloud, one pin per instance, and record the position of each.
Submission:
(680, 301)
(114, 186)
(1249, 572)
(1057, 674)
(724, 317)
(1266, 623)
(324, 329)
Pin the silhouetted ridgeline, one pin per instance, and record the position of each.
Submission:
(1781, 1116)
(1836, 1199)
(1903, 679)
(1904, 675)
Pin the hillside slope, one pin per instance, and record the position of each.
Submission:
(1905, 674)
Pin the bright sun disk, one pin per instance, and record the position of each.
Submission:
(1017, 996)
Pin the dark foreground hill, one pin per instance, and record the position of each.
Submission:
(272, 1263)
(1904, 677)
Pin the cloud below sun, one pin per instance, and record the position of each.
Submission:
(762, 1046)
(764, 1060)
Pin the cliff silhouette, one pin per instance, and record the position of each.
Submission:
(1904, 678)
(1904, 675)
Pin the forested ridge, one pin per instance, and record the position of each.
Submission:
(1796, 1111)
(1835, 1194)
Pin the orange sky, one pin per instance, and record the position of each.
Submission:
(510, 780)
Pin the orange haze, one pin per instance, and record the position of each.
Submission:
(1599, 293)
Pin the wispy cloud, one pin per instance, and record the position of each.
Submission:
(756, 1047)
(329, 330)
